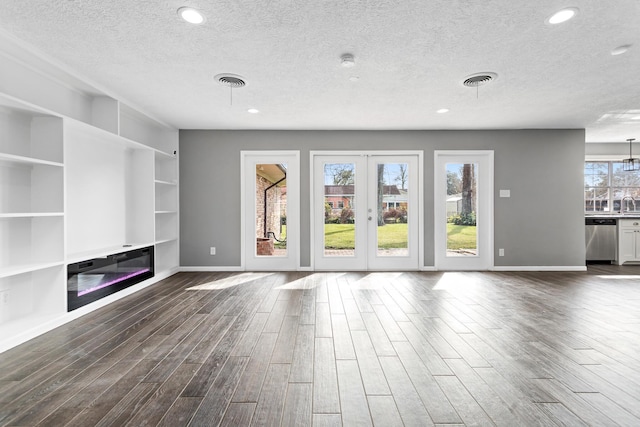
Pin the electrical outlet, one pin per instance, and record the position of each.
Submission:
(212, 250)
(501, 252)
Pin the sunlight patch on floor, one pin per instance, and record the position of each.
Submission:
(310, 282)
(229, 282)
(619, 277)
(375, 280)
(451, 281)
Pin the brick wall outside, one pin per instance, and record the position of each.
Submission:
(274, 210)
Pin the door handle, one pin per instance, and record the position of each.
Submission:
(369, 218)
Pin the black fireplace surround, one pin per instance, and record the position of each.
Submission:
(90, 280)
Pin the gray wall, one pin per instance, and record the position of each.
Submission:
(541, 224)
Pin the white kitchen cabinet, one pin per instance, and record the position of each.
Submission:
(628, 240)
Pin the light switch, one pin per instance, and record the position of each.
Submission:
(505, 193)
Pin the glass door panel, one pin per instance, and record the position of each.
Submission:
(271, 209)
(366, 212)
(339, 209)
(462, 208)
(463, 227)
(392, 230)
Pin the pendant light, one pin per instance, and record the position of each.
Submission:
(631, 164)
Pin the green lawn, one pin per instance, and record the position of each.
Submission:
(461, 237)
(341, 236)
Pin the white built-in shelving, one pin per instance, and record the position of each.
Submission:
(82, 175)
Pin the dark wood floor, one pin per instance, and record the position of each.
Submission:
(353, 349)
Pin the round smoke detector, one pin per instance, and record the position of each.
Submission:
(231, 80)
(479, 79)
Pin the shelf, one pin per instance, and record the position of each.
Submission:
(164, 155)
(165, 212)
(159, 181)
(31, 214)
(102, 252)
(27, 268)
(160, 242)
(10, 158)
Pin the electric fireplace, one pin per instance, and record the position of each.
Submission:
(90, 280)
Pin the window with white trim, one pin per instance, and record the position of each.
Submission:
(610, 189)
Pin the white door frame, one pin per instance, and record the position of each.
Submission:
(485, 242)
(419, 209)
(248, 161)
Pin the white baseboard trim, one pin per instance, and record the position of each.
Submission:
(428, 268)
(207, 269)
(540, 268)
(306, 269)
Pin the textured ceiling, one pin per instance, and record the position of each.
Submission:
(411, 57)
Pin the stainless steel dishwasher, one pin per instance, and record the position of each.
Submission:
(601, 237)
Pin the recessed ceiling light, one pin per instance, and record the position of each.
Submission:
(562, 15)
(347, 60)
(191, 15)
(253, 111)
(620, 49)
(442, 111)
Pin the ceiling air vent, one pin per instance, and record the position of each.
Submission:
(479, 79)
(231, 80)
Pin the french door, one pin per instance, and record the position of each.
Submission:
(463, 227)
(271, 210)
(366, 211)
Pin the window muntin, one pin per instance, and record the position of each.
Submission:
(610, 189)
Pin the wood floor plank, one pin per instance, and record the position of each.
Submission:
(384, 411)
(434, 400)
(209, 370)
(248, 389)
(215, 402)
(353, 401)
(408, 401)
(302, 363)
(298, 405)
(128, 407)
(308, 310)
(250, 337)
(378, 336)
(272, 396)
(283, 351)
(327, 420)
(375, 383)
(323, 320)
(342, 337)
(610, 409)
(354, 319)
(238, 414)
(326, 399)
(466, 406)
(156, 406)
(560, 415)
(391, 328)
(181, 412)
(103, 403)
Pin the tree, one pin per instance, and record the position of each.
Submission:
(454, 185)
(468, 189)
(402, 176)
(341, 174)
(380, 193)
